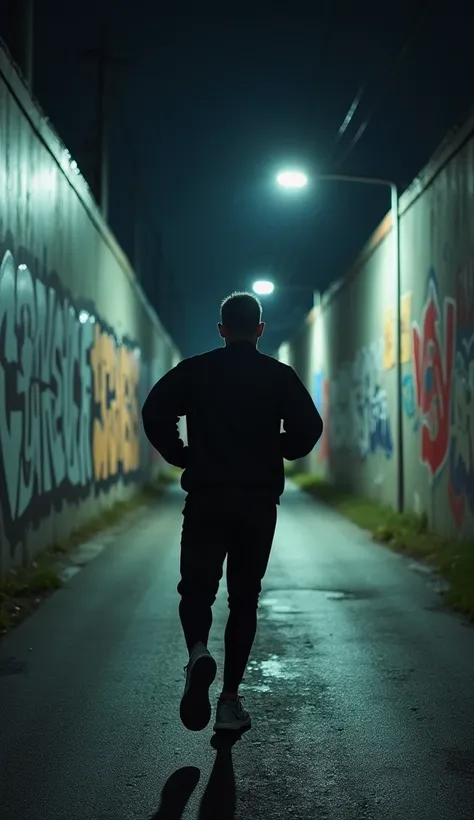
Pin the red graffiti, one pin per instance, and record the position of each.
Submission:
(433, 354)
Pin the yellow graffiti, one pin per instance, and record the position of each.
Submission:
(390, 341)
(116, 440)
(389, 349)
(405, 318)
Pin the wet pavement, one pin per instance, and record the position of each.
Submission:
(360, 687)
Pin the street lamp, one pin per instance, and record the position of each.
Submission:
(263, 287)
(292, 179)
(395, 209)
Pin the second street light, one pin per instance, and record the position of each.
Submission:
(264, 287)
(298, 179)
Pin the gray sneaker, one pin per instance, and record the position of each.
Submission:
(195, 708)
(231, 715)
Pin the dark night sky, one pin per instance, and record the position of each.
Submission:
(211, 103)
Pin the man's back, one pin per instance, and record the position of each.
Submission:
(234, 399)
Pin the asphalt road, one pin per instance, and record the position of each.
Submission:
(360, 686)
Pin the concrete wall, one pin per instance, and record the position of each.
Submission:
(346, 353)
(80, 346)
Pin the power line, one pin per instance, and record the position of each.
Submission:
(289, 261)
(417, 26)
(420, 20)
(351, 112)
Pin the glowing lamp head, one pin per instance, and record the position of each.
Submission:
(292, 179)
(263, 287)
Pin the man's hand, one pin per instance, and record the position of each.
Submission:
(302, 423)
(161, 412)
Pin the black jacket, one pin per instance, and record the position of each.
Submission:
(235, 400)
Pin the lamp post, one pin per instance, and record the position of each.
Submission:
(297, 179)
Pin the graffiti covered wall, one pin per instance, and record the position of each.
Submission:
(353, 378)
(359, 418)
(79, 345)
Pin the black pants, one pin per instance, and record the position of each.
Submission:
(243, 530)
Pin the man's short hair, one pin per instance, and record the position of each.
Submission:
(241, 314)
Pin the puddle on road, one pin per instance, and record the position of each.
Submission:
(274, 667)
(283, 605)
(262, 687)
(276, 605)
(302, 601)
(341, 596)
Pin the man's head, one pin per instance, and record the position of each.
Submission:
(241, 318)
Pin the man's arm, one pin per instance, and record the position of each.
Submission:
(165, 404)
(302, 423)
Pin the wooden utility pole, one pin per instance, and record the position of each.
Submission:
(104, 59)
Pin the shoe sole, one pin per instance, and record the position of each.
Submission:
(195, 707)
(236, 726)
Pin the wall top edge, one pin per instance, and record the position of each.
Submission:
(11, 75)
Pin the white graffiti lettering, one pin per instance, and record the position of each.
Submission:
(359, 419)
(45, 390)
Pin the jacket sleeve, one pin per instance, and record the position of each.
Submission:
(160, 414)
(302, 424)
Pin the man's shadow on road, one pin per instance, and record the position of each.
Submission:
(219, 798)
